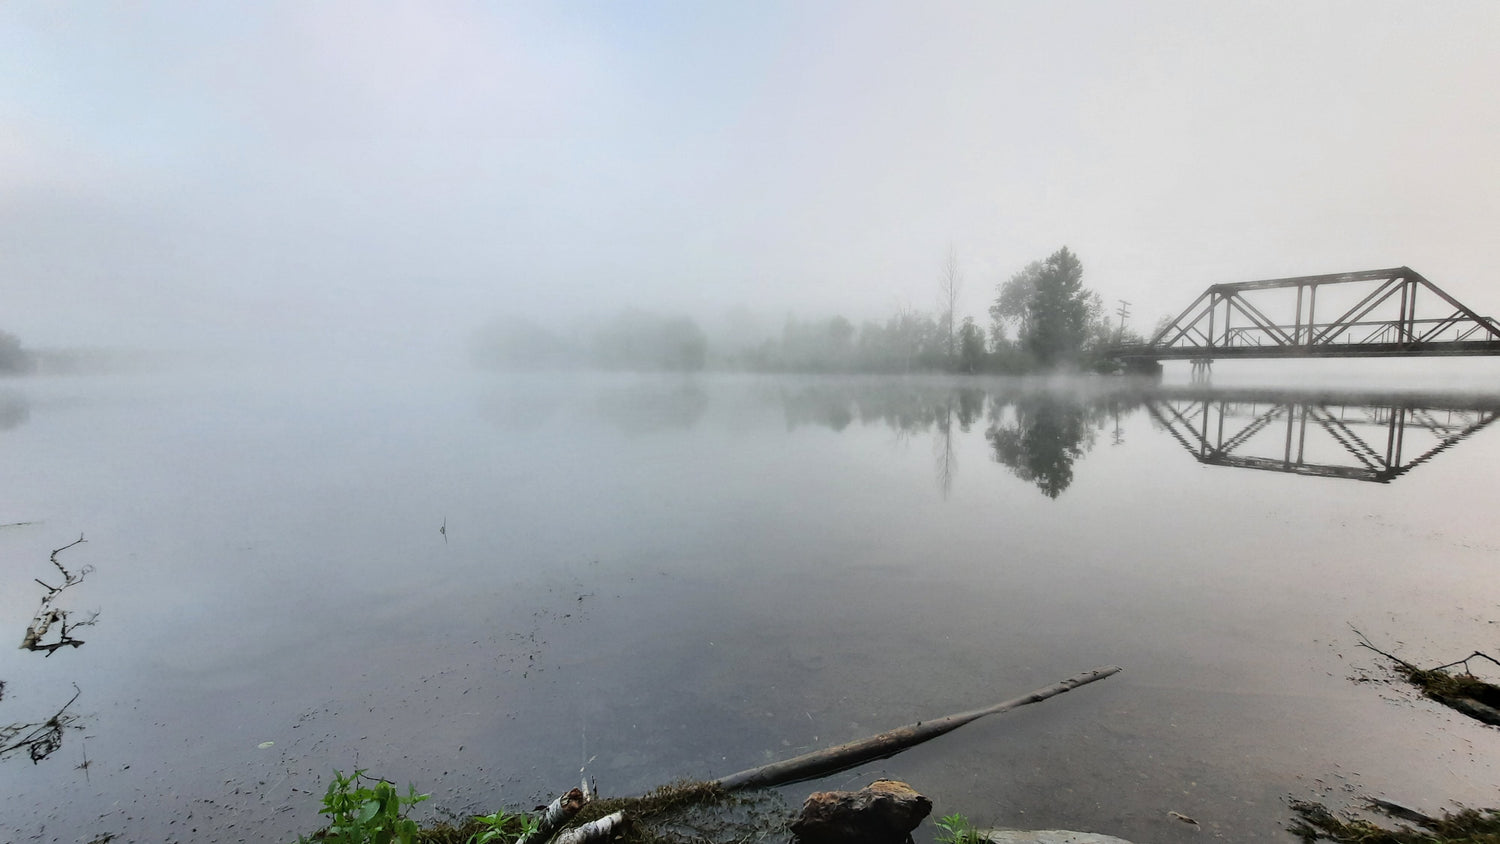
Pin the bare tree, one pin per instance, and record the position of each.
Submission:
(950, 285)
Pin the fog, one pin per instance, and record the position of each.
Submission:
(348, 182)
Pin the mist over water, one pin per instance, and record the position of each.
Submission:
(649, 577)
(404, 371)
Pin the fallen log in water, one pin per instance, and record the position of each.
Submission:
(834, 759)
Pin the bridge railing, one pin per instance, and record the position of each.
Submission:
(1432, 330)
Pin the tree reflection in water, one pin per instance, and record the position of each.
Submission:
(1041, 436)
(1037, 435)
(1040, 430)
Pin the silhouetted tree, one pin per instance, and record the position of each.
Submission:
(1051, 307)
(639, 340)
(970, 347)
(13, 358)
(950, 285)
(816, 346)
(517, 343)
(1012, 303)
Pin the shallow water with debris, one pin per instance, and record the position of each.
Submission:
(492, 585)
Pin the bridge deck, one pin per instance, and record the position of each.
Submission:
(1331, 350)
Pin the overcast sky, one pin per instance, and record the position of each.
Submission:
(174, 174)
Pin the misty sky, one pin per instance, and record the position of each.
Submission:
(175, 174)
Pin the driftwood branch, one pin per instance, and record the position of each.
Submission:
(1364, 642)
(47, 615)
(598, 830)
(1465, 661)
(557, 813)
(845, 756)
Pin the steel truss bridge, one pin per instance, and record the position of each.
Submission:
(1365, 439)
(1395, 313)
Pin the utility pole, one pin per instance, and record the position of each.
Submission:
(1124, 312)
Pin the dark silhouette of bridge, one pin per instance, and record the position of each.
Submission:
(1380, 313)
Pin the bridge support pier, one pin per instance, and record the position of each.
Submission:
(1203, 371)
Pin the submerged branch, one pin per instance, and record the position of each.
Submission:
(1463, 693)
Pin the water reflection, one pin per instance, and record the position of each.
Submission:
(639, 406)
(1363, 439)
(1041, 431)
(907, 408)
(649, 408)
(40, 739)
(14, 410)
(51, 629)
(1039, 438)
(1040, 435)
(1037, 434)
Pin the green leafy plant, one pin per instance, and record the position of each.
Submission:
(956, 829)
(498, 827)
(359, 814)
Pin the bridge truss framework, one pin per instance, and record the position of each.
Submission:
(1231, 321)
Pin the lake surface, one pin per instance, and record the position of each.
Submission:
(485, 584)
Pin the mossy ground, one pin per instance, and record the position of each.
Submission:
(698, 812)
(681, 813)
(1469, 826)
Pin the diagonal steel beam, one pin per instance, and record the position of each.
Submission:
(1157, 340)
(1261, 320)
(1461, 307)
(1369, 303)
(1441, 326)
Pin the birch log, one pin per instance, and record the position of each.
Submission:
(557, 813)
(594, 830)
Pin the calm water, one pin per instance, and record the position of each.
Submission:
(651, 578)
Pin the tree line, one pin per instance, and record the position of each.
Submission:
(1041, 319)
(14, 359)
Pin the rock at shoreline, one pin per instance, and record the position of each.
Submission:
(884, 812)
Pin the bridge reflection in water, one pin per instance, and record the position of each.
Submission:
(1364, 438)
(1042, 435)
